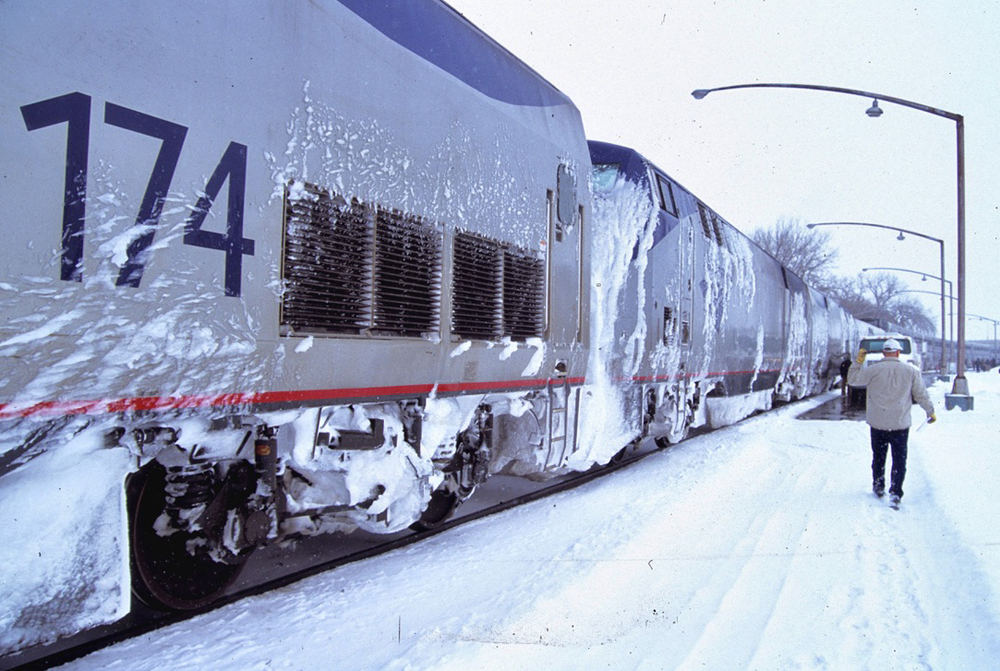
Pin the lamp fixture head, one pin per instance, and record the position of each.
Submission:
(874, 111)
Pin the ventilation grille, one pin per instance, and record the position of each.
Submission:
(327, 265)
(476, 307)
(497, 290)
(523, 295)
(407, 276)
(349, 268)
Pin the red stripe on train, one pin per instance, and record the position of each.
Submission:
(149, 403)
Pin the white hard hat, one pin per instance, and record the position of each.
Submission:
(891, 345)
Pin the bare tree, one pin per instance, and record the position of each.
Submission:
(848, 292)
(871, 296)
(912, 316)
(806, 252)
(875, 297)
(884, 289)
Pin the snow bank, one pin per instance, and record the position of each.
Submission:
(63, 543)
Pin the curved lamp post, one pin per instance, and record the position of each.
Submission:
(950, 305)
(900, 237)
(960, 390)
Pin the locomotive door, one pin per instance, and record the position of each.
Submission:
(565, 311)
(679, 309)
(685, 281)
(564, 262)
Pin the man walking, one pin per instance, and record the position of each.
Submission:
(893, 386)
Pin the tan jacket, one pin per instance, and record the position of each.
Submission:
(893, 387)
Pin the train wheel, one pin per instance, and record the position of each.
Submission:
(164, 573)
(444, 501)
(439, 510)
(620, 456)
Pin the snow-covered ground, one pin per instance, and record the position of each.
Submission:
(759, 546)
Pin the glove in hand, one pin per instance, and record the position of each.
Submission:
(861, 356)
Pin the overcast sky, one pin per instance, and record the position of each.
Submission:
(757, 155)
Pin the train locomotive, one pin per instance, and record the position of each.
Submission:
(281, 269)
(273, 270)
(695, 324)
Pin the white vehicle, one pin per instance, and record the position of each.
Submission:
(873, 345)
(909, 351)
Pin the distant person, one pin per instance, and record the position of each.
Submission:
(844, 367)
(893, 386)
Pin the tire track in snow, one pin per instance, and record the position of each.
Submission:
(745, 616)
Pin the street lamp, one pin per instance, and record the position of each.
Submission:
(995, 322)
(968, 315)
(951, 310)
(959, 396)
(900, 237)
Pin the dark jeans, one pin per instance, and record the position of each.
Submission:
(881, 442)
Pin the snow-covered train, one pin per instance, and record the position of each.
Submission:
(700, 323)
(280, 269)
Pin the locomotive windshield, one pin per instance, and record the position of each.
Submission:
(602, 178)
(875, 344)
